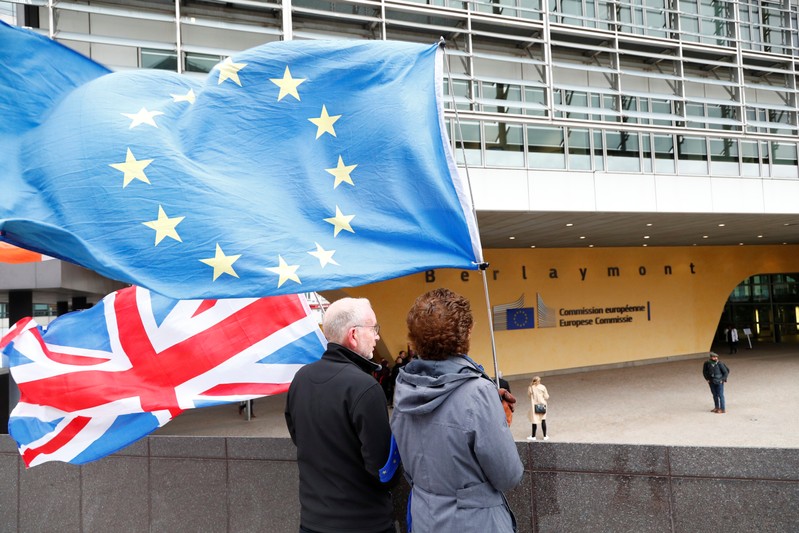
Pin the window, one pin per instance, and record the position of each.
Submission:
(579, 149)
(692, 154)
(750, 160)
(646, 153)
(468, 148)
(576, 99)
(538, 97)
(584, 105)
(158, 59)
(42, 310)
(162, 60)
(629, 104)
(783, 153)
(545, 148)
(586, 13)
(461, 89)
(609, 102)
(599, 155)
(650, 19)
(201, 62)
(495, 96)
(623, 152)
(7, 12)
(695, 113)
(784, 160)
(662, 107)
(531, 9)
(504, 144)
(773, 30)
(724, 157)
(664, 154)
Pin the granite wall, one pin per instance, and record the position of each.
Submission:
(238, 484)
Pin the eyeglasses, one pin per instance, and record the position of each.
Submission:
(375, 328)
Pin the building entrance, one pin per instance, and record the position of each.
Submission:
(767, 304)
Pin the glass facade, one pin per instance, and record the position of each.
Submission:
(43, 312)
(767, 304)
(681, 87)
(7, 13)
(39, 310)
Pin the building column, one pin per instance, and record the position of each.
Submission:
(20, 305)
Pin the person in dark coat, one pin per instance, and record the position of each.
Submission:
(383, 376)
(716, 372)
(337, 417)
(399, 362)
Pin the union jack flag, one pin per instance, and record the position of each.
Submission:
(97, 380)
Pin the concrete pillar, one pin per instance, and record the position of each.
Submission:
(20, 305)
(79, 302)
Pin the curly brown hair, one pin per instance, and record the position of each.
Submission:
(440, 324)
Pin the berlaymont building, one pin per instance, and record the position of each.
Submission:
(635, 172)
(634, 165)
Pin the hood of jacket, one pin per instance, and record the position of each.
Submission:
(422, 385)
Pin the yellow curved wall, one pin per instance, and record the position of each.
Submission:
(684, 306)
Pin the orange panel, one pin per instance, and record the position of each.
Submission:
(12, 254)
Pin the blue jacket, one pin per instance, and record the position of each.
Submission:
(456, 447)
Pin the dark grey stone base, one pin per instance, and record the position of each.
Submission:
(241, 484)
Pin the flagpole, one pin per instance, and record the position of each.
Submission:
(484, 265)
(483, 268)
(319, 303)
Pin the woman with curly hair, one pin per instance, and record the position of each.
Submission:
(456, 447)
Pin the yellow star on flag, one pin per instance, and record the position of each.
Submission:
(188, 97)
(287, 84)
(324, 124)
(285, 271)
(164, 226)
(132, 169)
(143, 117)
(228, 70)
(325, 257)
(223, 264)
(340, 222)
(341, 172)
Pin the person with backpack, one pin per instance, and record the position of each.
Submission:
(715, 373)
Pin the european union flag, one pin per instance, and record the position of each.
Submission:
(295, 166)
(521, 318)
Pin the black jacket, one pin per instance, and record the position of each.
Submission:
(715, 373)
(337, 417)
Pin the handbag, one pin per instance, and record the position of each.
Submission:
(540, 408)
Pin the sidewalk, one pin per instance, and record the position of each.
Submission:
(661, 404)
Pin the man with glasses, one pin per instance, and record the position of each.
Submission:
(337, 417)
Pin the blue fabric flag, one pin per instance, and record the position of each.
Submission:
(521, 318)
(294, 166)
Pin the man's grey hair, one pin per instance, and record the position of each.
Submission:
(341, 315)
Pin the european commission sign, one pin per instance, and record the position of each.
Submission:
(514, 315)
